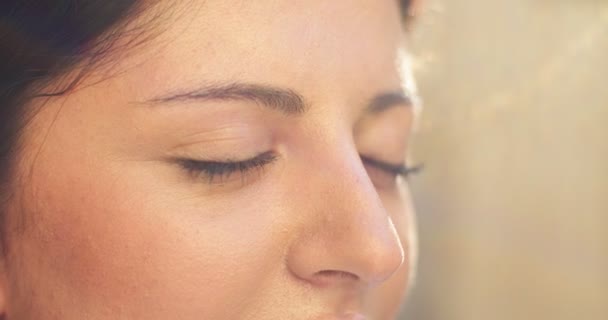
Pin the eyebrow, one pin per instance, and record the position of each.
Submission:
(285, 100)
(388, 100)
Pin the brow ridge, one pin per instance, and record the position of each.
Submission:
(285, 100)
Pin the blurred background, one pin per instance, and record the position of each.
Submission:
(513, 204)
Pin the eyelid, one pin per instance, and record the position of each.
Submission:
(223, 169)
(397, 169)
(267, 154)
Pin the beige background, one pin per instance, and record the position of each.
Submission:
(513, 205)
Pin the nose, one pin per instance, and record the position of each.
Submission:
(347, 236)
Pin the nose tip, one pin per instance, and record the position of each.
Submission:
(380, 257)
(345, 235)
(361, 256)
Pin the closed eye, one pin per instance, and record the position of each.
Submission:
(222, 170)
(393, 169)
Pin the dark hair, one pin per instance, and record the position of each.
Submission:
(41, 40)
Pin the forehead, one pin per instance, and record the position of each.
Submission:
(287, 42)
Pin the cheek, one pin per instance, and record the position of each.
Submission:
(121, 237)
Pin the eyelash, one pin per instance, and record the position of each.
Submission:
(212, 169)
(396, 170)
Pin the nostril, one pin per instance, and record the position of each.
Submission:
(327, 277)
(337, 274)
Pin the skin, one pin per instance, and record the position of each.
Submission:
(105, 224)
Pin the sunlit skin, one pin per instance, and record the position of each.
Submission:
(111, 220)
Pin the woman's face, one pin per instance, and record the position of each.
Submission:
(240, 164)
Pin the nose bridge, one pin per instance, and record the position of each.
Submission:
(352, 202)
(348, 231)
